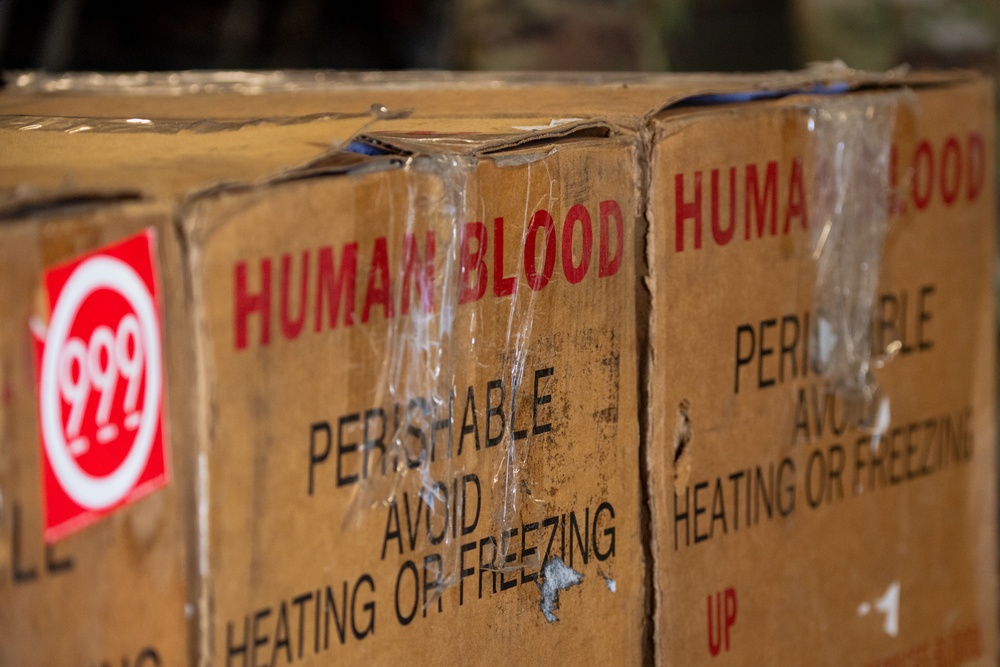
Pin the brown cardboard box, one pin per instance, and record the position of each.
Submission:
(793, 522)
(503, 367)
(116, 593)
(313, 322)
(466, 300)
(124, 590)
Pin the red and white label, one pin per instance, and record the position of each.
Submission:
(100, 385)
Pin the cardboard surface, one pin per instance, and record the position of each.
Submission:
(515, 413)
(247, 95)
(119, 590)
(291, 555)
(782, 532)
(345, 334)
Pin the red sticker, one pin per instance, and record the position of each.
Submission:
(100, 385)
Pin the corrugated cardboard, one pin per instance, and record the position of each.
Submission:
(627, 98)
(508, 376)
(291, 555)
(246, 95)
(116, 593)
(511, 393)
(784, 533)
(125, 590)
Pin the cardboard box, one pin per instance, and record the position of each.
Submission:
(318, 337)
(503, 367)
(126, 589)
(845, 516)
(116, 593)
(464, 303)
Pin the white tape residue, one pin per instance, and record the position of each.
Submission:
(888, 604)
(555, 122)
(555, 576)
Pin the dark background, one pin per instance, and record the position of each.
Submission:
(681, 35)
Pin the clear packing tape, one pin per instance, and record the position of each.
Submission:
(851, 207)
(416, 369)
(429, 358)
(433, 354)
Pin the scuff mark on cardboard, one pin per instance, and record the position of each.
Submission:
(555, 576)
(683, 435)
(682, 432)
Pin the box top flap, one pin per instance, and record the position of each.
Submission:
(244, 95)
(171, 135)
(155, 159)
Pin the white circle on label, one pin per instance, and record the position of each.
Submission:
(86, 490)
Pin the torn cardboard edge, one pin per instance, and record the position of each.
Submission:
(27, 203)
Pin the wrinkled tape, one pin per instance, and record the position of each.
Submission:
(852, 144)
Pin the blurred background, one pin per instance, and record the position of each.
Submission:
(658, 35)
